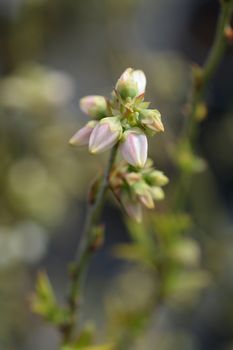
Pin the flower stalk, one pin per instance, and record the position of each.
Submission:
(85, 249)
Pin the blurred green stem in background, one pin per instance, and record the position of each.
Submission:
(202, 78)
(89, 242)
(197, 109)
(195, 114)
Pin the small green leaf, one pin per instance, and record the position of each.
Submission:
(86, 336)
(44, 302)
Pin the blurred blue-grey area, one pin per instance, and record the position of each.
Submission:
(52, 53)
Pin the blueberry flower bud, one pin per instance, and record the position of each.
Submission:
(105, 135)
(82, 136)
(132, 178)
(95, 106)
(157, 193)
(133, 208)
(151, 119)
(132, 83)
(144, 195)
(134, 147)
(156, 178)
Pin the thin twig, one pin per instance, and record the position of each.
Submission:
(85, 250)
(201, 81)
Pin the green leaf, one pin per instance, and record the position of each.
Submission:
(44, 302)
(86, 336)
(44, 287)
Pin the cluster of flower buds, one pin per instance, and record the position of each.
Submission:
(125, 119)
(137, 187)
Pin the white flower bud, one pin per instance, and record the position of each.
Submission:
(82, 136)
(95, 106)
(140, 78)
(105, 135)
(132, 83)
(134, 147)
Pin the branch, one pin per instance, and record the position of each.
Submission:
(201, 79)
(203, 76)
(85, 250)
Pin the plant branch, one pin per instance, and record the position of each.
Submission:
(86, 248)
(201, 79)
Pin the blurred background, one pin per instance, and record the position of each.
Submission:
(52, 53)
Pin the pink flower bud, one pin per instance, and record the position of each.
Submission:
(134, 148)
(132, 208)
(142, 190)
(82, 136)
(132, 83)
(95, 106)
(105, 135)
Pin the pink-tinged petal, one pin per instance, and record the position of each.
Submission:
(134, 149)
(94, 105)
(140, 78)
(82, 136)
(102, 138)
(134, 210)
(147, 200)
(105, 135)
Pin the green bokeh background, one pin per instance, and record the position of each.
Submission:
(52, 54)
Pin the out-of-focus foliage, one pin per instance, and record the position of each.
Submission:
(94, 347)
(13, 288)
(168, 261)
(45, 304)
(52, 53)
(39, 173)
